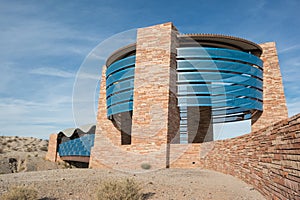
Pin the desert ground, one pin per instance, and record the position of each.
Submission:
(22, 163)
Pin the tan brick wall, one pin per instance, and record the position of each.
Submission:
(268, 159)
(185, 155)
(107, 136)
(152, 98)
(52, 148)
(155, 115)
(274, 105)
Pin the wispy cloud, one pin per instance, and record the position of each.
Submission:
(21, 117)
(49, 71)
(290, 48)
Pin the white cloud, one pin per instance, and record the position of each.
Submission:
(38, 119)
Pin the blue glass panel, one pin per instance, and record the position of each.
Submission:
(210, 77)
(229, 81)
(119, 108)
(123, 96)
(208, 89)
(229, 111)
(120, 84)
(211, 53)
(120, 64)
(118, 76)
(123, 85)
(225, 102)
(219, 65)
(77, 147)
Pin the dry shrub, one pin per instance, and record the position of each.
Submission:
(20, 193)
(1, 150)
(44, 148)
(126, 189)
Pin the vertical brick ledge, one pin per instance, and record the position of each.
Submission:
(274, 104)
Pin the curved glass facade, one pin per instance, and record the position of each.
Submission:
(119, 86)
(228, 81)
(77, 147)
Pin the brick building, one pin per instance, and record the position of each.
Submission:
(160, 96)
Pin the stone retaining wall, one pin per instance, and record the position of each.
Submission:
(268, 159)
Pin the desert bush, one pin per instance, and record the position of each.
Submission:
(43, 148)
(20, 193)
(145, 166)
(126, 189)
(1, 150)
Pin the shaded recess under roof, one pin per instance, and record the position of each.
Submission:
(85, 129)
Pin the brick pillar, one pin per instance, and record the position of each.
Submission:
(107, 135)
(52, 148)
(200, 127)
(274, 105)
(155, 113)
(155, 117)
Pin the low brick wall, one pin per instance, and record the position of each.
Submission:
(268, 159)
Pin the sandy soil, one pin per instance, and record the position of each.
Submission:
(23, 154)
(56, 183)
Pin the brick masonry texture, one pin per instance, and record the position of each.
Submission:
(268, 159)
(155, 119)
(274, 104)
(153, 98)
(52, 148)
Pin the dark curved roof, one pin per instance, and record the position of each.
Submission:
(196, 39)
(219, 40)
(121, 53)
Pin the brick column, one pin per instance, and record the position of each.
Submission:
(274, 105)
(52, 148)
(107, 135)
(155, 86)
(155, 117)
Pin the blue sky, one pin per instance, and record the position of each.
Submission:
(44, 43)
